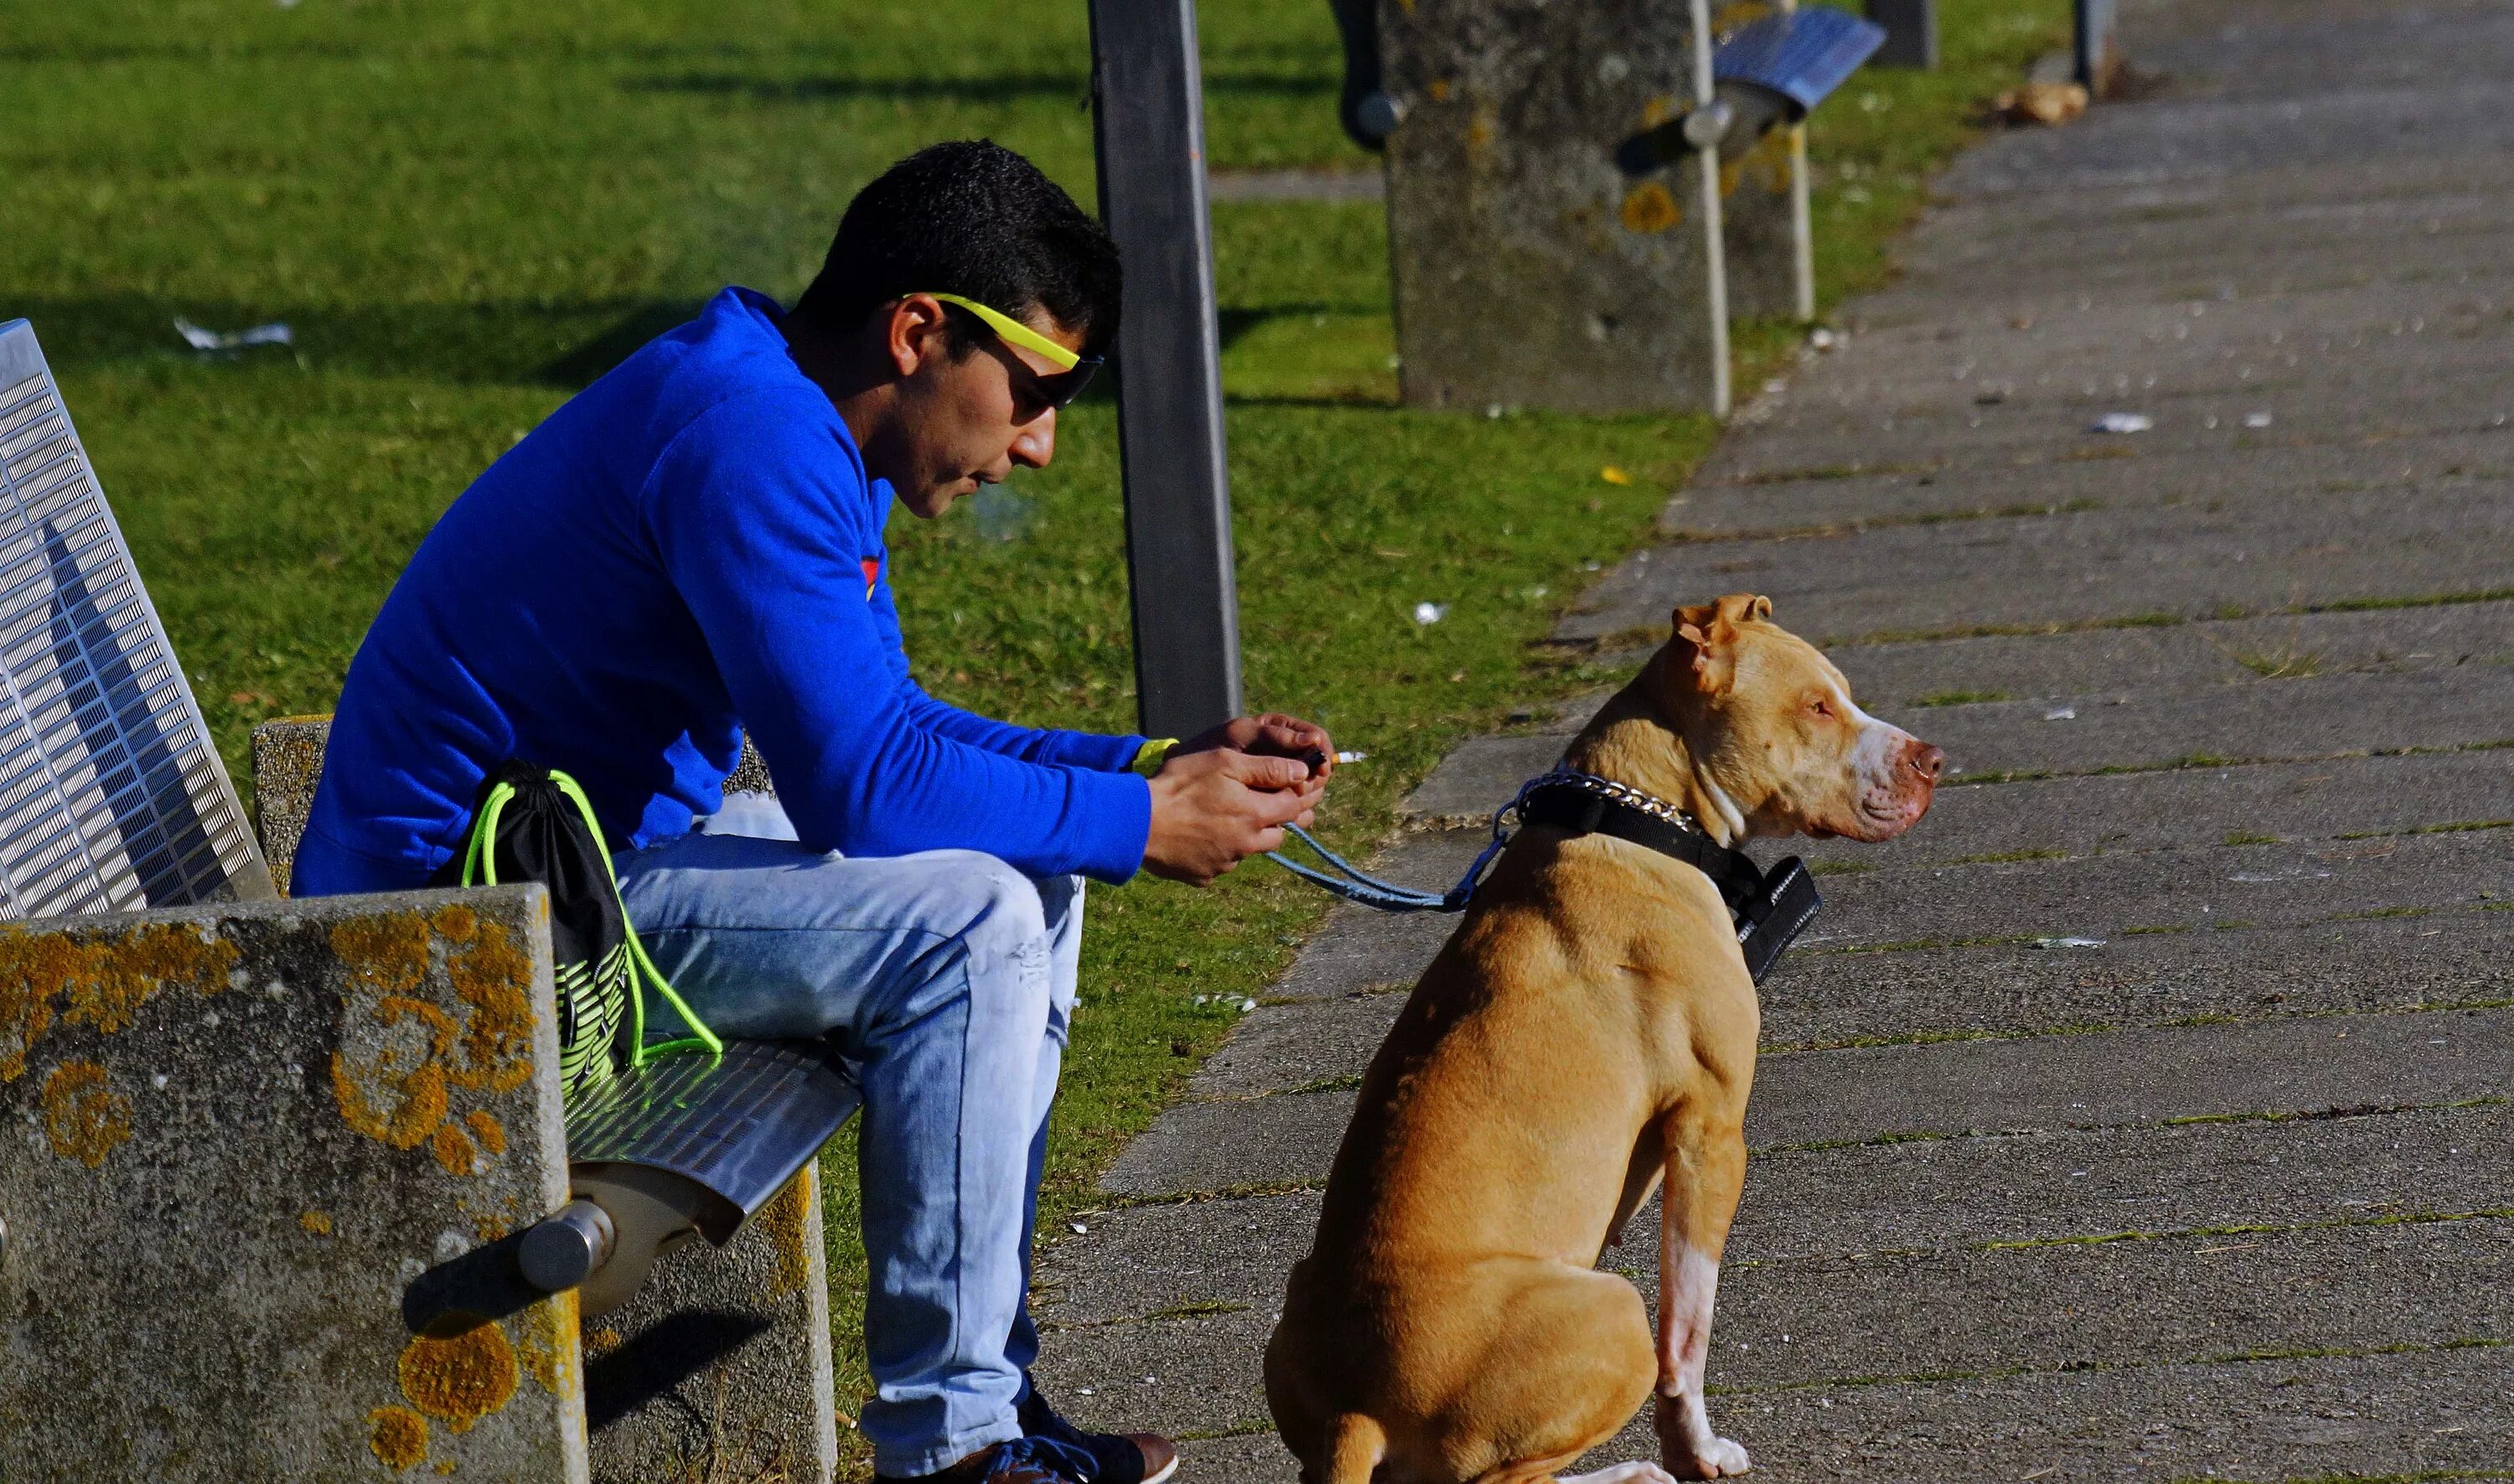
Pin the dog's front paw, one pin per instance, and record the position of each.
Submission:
(1714, 1457)
(1691, 1450)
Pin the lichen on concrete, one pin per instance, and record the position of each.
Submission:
(100, 981)
(84, 1118)
(398, 1437)
(461, 1370)
(241, 1106)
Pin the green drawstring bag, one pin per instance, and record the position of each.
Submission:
(534, 824)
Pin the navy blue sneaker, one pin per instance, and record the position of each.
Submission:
(1022, 1460)
(1117, 1457)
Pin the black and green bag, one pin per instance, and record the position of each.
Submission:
(534, 824)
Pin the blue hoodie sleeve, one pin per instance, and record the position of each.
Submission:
(759, 511)
(1037, 744)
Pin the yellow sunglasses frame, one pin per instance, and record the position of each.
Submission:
(1015, 333)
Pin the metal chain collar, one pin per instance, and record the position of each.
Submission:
(1614, 793)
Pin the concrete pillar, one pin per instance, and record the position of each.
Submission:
(1555, 243)
(723, 1357)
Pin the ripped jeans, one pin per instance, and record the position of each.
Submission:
(946, 978)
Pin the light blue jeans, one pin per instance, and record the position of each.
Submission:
(948, 980)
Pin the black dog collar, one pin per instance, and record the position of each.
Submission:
(1770, 908)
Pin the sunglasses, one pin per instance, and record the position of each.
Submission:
(1074, 371)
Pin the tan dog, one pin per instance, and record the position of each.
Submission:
(1589, 1029)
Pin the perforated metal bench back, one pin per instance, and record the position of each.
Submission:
(111, 795)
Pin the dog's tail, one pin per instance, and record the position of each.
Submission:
(1354, 1446)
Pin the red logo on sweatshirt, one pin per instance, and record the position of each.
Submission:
(872, 574)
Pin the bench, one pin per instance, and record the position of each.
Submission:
(1629, 173)
(293, 1191)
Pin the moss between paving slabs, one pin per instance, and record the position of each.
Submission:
(466, 211)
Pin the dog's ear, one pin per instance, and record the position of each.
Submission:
(1702, 646)
(1744, 608)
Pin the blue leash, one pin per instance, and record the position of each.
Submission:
(1355, 884)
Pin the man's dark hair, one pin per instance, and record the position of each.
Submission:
(974, 219)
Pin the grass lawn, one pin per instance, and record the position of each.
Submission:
(468, 209)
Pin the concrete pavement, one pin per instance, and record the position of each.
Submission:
(2226, 1188)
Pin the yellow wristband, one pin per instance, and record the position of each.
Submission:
(1154, 751)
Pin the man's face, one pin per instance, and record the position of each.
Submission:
(968, 421)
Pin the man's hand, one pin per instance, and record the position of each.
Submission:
(1216, 807)
(1273, 734)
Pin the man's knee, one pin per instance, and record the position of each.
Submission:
(1002, 919)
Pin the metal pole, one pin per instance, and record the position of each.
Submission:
(1802, 217)
(2096, 54)
(1716, 255)
(1911, 32)
(1148, 115)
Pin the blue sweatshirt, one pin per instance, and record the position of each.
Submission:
(688, 546)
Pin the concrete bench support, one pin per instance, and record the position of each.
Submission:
(1529, 180)
(720, 1366)
(262, 1160)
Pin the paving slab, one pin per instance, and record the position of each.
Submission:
(2304, 717)
(2201, 420)
(2400, 236)
(1820, 999)
(2177, 1299)
(2204, 891)
(2420, 1415)
(2412, 1415)
(2185, 656)
(2278, 885)
(2193, 806)
(2036, 374)
(1924, 1195)
(2326, 717)
(2078, 567)
(1861, 1093)
(2169, 140)
(1302, 1045)
(2141, 811)
(2476, 464)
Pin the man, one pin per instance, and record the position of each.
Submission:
(692, 547)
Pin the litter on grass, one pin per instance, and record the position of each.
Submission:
(2257, 420)
(1431, 613)
(2061, 713)
(2068, 942)
(272, 334)
(1614, 475)
(2123, 423)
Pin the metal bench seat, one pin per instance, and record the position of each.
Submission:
(1799, 55)
(687, 1144)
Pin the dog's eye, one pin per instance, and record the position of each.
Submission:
(1818, 705)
